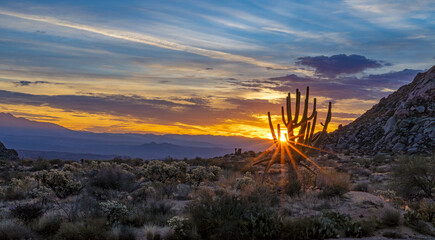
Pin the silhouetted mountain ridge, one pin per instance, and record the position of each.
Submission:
(404, 122)
(30, 137)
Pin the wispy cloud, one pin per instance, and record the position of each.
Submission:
(395, 14)
(148, 40)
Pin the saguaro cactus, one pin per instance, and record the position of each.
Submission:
(294, 148)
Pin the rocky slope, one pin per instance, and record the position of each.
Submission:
(404, 122)
(7, 154)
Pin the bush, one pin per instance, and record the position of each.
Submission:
(61, 182)
(163, 172)
(114, 178)
(391, 217)
(426, 209)
(413, 177)
(244, 182)
(202, 174)
(27, 212)
(315, 227)
(293, 188)
(12, 230)
(363, 228)
(47, 225)
(122, 233)
(230, 217)
(361, 187)
(155, 212)
(333, 183)
(95, 230)
(115, 212)
(180, 226)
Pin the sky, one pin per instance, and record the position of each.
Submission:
(205, 67)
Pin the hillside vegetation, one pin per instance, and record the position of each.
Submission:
(217, 198)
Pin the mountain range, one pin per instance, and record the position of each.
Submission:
(32, 139)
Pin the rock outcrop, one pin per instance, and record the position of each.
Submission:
(402, 123)
(7, 154)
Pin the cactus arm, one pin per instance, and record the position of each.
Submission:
(283, 116)
(328, 118)
(298, 105)
(313, 127)
(271, 128)
(278, 127)
(305, 114)
(289, 108)
(314, 109)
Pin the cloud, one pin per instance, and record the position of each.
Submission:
(340, 64)
(148, 40)
(189, 111)
(367, 87)
(28, 83)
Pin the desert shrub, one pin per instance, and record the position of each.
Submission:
(293, 188)
(333, 183)
(414, 177)
(364, 228)
(47, 225)
(245, 182)
(414, 220)
(423, 227)
(95, 229)
(145, 192)
(181, 227)
(114, 177)
(114, 211)
(27, 212)
(154, 212)
(202, 174)
(122, 233)
(163, 172)
(426, 209)
(12, 230)
(361, 187)
(395, 235)
(328, 225)
(41, 164)
(390, 217)
(182, 191)
(379, 159)
(153, 232)
(18, 189)
(61, 182)
(228, 216)
(307, 179)
(74, 167)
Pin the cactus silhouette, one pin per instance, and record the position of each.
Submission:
(294, 148)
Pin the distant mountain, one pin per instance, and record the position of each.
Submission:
(26, 154)
(7, 154)
(31, 138)
(404, 122)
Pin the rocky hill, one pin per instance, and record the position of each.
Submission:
(404, 122)
(7, 154)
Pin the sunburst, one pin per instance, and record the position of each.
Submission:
(290, 149)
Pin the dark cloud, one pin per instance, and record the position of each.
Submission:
(28, 83)
(373, 86)
(338, 64)
(150, 110)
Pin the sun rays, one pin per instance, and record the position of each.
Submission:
(290, 150)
